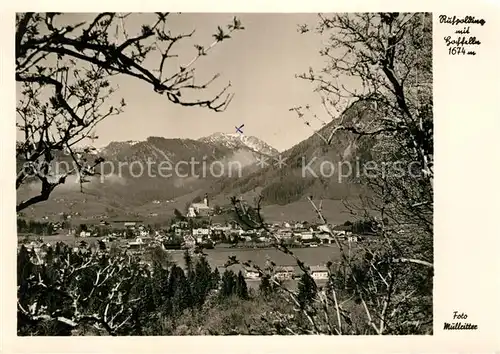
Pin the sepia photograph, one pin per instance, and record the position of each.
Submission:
(215, 174)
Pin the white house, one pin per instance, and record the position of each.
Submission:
(250, 273)
(284, 273)
(325, 238)
(84, 233)
(202, 231)
(324, 228)
(306, 235)
(138, 243)
(222, 228)
(189, 241)
(285, 234)
(342, 230)
(319, 272)
(200, 234)
(352, 238)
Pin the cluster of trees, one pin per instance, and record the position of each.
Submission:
(105, 230)
(288, 189)
(44, 228)
(65, 290)
(234, 285)
(68, 292)
(362, 227)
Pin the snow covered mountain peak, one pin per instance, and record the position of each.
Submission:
(237, 140)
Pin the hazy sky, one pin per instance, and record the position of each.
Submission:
(260, 61)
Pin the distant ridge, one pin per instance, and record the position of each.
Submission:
(282, 186)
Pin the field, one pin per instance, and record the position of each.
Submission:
(91, 208)
(333, 210)
(311, 256)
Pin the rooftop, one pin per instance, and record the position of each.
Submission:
(200, 206)
(319, 268)
(285, 269)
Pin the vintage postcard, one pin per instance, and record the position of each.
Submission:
(242, 178)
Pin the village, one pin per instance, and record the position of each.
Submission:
(196, 232)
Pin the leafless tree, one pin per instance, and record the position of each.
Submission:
(371, 291)
(387, 59)
(64, 73)
(78, 287)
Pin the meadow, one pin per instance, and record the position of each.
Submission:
(311, 256)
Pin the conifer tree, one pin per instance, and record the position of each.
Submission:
(228, 287)
(307, 290)
(202, 281)
(215, 279)
(188, 261)
(241, 287)
(265, 287)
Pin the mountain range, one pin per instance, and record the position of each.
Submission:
(151, 177)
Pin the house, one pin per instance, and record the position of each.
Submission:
(319, 272)
(250, 273)
(179, 228)
(284, 234)
(298, 225)
(200, 209)
(221, 228)
(284, 273)
(201, 234)
(306, 235)
(189, 241)
(137, 244)
(182, 224)
(202, 231)
(352, 238)
(324, 228)
(325, 237)
(124, 223)
(85, 234)
(342, 230)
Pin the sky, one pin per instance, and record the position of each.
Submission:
(260, 62)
